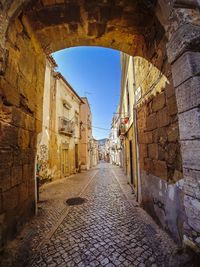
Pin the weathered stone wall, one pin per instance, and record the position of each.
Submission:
(21, 87)
(158, 133)
(159, 143)
(183, 54)
(130, 26)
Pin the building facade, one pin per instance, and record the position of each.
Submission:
(102, 149)
(58, 143)
(86, 134)
(114, 140)
(150, 139)
(94, 152)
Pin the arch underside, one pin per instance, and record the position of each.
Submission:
(128, 26)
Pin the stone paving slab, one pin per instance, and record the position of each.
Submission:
(109, 229)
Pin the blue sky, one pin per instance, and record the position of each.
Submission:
(93, 72)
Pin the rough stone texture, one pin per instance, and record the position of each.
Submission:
(190, 124)
(185, 67)
(21, 102)
(188, 94)
(166, 205)
(28, 29)
(129, 26)
(191, 154)
(161, 136)
(178, 45)
(159, 147)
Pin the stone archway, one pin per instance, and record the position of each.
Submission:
(32, 29)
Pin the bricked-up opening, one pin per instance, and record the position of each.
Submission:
(31, 30)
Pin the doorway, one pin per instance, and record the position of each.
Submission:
(65, 162)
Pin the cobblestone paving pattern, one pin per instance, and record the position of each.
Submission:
(107, 230)
(50, 208)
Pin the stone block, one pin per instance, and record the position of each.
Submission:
(23, 138)
(169, 89)
(162, 136)
(11, 198)
(143, 150)
(177, 176)
(148, 165)
(48, 2)
(28, 171)
(155, 135)
(18, 157)
(186, 67)
(5, 113)
(5, 181)
(192, 182)
(192, 209)
(172, 105)
(188, 94)
(158, 102)
(191, 154)
(162, 117)
(105, 13)
(116, 13)
(16, 175)
(73, 27)
(16, 117)
(10, 92)
(29, 123)
(9, 135)
(141, 117)
(184, 39)
(173, 132)
(151, 123)
(23, 192)
(96, 29)
(171, 153)
(31, 188)
(153, 151)
(189, 122)
(141, 161)
(6, 157)
(145, 137)
(160, 169)
(73, 12)
(1, 206)
(161, 153)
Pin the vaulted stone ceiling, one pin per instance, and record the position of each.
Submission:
(126, 25)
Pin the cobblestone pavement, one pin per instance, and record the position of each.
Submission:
(109, 229)
(51, 209)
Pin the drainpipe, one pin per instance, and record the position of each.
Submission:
(138, 195)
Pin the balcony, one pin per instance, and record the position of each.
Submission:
(66, 126)
(122, 129)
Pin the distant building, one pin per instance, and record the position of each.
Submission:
(94, 152)
(86, 134)
(114, 141)
(101, 144)
(58, 143)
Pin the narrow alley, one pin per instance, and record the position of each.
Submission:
(109, 229)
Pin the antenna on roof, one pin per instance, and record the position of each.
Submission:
(87, 93)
